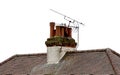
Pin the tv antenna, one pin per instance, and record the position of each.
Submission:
(75, 23)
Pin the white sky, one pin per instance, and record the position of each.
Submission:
(24, 24)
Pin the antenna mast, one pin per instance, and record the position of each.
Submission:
(74, 22)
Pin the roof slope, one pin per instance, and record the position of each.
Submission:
(102, 61)
(21, 64)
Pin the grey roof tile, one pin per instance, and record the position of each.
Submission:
(99, 61)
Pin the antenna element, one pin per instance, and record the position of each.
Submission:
(75, 23)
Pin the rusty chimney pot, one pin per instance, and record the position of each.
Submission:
(69, 32)
(58, 31)
(52, 32)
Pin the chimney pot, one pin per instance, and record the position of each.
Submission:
(69, 32)
(52, 32)
(58, 31)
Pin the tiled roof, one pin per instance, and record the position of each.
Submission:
(100, 61)
(21, 64)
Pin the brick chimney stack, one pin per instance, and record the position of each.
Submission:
(59, 43)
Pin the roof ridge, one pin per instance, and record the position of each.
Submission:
(91, 50)
(31, 54)
(8, 59)
(110, 60)
(114, 52)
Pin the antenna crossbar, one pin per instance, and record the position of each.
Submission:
(73, 20)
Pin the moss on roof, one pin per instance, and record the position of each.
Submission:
(61, 41)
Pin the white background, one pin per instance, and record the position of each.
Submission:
(24, 24)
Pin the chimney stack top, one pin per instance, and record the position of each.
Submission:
(60, 35)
